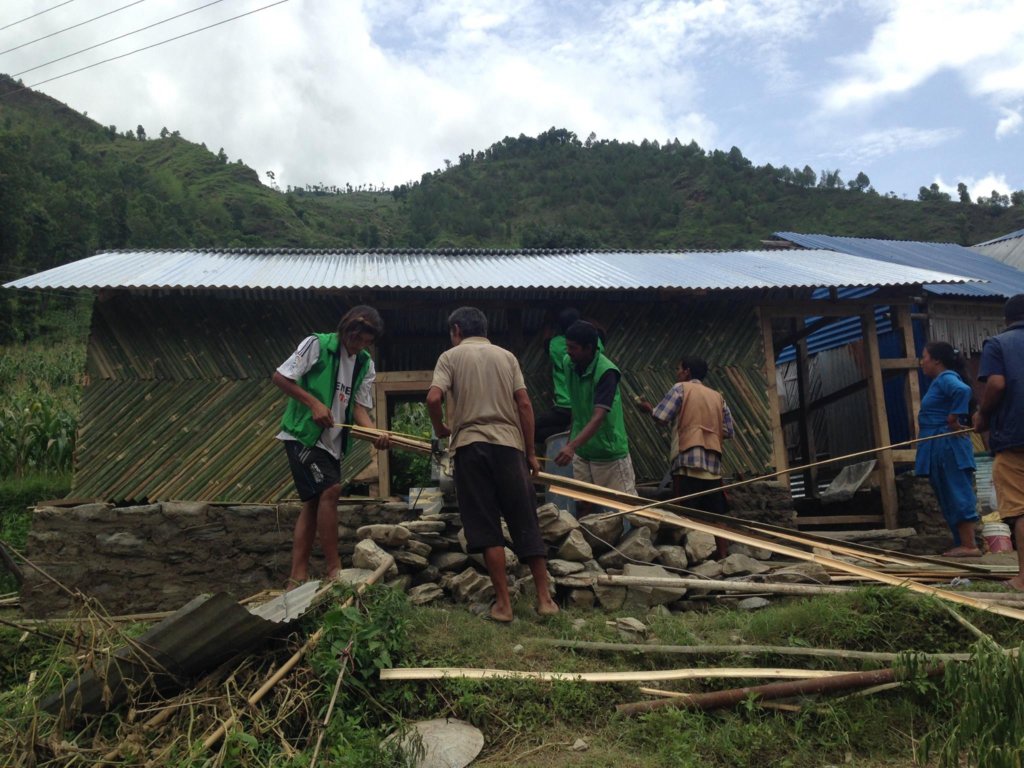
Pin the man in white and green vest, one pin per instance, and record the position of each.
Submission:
(329, 383)
(597, 447)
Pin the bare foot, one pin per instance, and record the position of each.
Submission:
(1017, 583)
(962, 552)
(292, 583)
(501, 614)
(547, 607)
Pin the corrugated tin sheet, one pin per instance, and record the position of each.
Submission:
(179, 403)
(1009, 249)
(302, 269)
(842, 331)
(1002, 280)
(207, 631)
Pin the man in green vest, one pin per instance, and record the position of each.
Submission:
(597, 447)
(558, 419)
(329, 383)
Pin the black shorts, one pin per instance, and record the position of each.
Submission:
(313, 469)
(493, 482)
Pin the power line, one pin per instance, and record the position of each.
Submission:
(14, 23)
(126, 34)
(144, 48)
(73, 26)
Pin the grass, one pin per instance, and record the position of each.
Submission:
(528, 723)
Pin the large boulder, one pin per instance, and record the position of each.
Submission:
(370, 556)
(555, 523)
(700, 546)
(471, 586)
(575, 548)
(385, 535)
(449, 561)
(651, 596)
(741, 565)
(672, 556)
(601, 532)
(564, 567)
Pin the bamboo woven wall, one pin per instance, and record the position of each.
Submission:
(179, 402)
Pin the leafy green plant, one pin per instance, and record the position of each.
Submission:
(986, 713)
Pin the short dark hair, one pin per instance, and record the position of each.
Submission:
(567, 317)
(697, 366)
(950, 357)
(361, 319)
(471, 321)
(1013, 310)
(582, 333)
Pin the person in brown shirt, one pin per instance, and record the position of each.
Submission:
(491, 428)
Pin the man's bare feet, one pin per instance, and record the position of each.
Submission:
(501, 613)
(547, 607)
(962, 552)
(291, 583)
(1017, 583)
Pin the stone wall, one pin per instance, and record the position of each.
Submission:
(160, 556)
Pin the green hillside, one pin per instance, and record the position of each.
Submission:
(70, 186)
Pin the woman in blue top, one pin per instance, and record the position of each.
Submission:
(949, 463)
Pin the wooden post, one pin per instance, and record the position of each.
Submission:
(804, 418)
(879, 420)
(774, 411)
(913, 385)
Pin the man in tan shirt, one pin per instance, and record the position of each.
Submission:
(491, 429)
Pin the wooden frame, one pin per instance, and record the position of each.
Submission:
(392, 383)
(877, 370)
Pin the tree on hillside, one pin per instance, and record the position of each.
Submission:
(140, 133)
(932, 193)
(860, 183)
(963, 194)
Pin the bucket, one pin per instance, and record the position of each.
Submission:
(997, 537)
(552, 446)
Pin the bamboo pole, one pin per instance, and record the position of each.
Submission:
(720, 699)
(583, 580)
(330, 707)
(287, 667)
(442, 673)
(711, 650)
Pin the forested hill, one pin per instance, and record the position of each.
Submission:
(70, 186)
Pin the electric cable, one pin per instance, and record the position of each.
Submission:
(113, 39)
(144, 48)
(19, 21)
(73, 26)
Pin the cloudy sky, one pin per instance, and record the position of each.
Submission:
(334, 91)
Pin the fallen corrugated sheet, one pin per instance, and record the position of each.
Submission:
(204, 633)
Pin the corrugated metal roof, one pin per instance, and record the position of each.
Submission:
(1010, 236)
(1009, 249)
(473, 269)
(1002, 280)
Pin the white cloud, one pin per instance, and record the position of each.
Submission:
(980, 187)
(983, 41)
(1009, 123)
(878, 144)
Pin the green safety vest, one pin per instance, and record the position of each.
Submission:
(321, 382)
(610, 442)
(556, 350)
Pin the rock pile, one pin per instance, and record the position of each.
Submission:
(158, 556)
